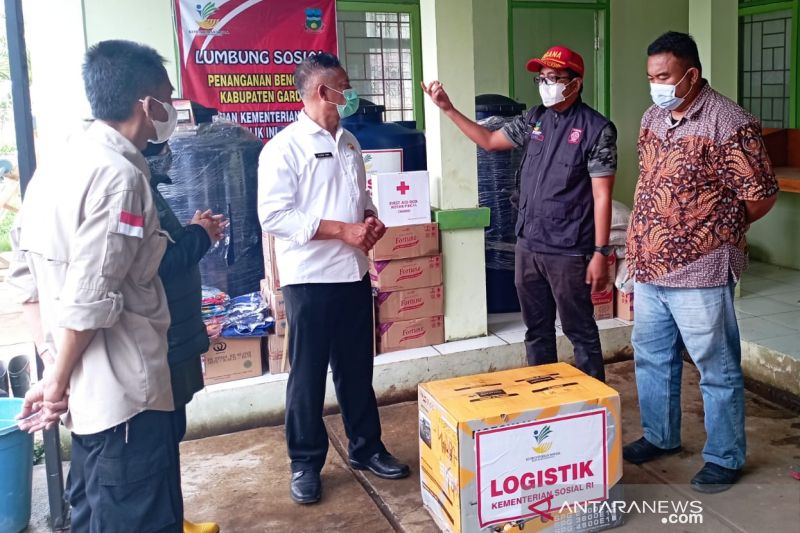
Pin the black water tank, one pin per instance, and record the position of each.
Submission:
(374, 134)
(496, 183)
(216, 167)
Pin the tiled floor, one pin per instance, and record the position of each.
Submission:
(509, 327)
(769, 308)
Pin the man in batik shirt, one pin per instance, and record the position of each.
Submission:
(704, 178)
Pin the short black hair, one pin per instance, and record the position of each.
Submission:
(572, 75)
(681, 45)
(312, 65)
(118, 73)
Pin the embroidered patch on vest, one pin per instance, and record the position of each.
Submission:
(574, 136)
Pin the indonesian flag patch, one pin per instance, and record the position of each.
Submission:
(130, 224)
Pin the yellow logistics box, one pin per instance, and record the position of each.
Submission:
(537, 447)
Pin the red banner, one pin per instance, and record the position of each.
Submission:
(239, 56)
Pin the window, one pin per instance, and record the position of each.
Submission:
(377, 49)
(765, 66)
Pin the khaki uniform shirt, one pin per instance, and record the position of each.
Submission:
(87, 249)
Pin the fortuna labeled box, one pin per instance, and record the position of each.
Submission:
(538, 446)
(405, 334)
(625, 305)
(402, 198)
(276, 354)
(271, 278)
(415, 273)
(409, 304)
(402, 242)
(603, 301)
(232, 358)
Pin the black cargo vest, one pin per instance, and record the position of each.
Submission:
(556, 208)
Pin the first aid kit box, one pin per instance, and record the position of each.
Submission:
(530, 449)
(402, 198)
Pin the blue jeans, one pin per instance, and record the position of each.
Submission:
(704, 321)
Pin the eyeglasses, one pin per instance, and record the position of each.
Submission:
(550, 80)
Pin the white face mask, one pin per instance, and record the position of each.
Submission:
(663, 94)
(164, 129)
(552, 94)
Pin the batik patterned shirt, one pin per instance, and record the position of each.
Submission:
(688, 223)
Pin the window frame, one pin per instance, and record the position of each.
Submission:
(411, 8)
(760, 7)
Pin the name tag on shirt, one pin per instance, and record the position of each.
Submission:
(323, 155)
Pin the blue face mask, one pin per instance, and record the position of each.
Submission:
(350, 105)
(663, 95)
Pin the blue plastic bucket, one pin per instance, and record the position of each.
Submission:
(16, 469)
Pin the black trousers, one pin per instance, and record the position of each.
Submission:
(330, 323)
(127, 478)
(549, 281)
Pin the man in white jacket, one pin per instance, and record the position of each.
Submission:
(312, 198)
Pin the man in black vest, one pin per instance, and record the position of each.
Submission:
(566, 179)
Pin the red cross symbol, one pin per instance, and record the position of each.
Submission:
(402, 188)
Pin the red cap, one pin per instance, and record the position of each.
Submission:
(558, 57)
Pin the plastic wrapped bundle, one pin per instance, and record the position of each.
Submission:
(215, 167)
(248, 316)
(497, 181)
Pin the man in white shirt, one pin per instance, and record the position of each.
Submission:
(312, 198)
(88, 245)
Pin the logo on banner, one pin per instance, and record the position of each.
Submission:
(566, 465)
(313, 19)
(206, 12)
(540, 435)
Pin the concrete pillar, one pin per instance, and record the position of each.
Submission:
(448, 55)
(714, 25)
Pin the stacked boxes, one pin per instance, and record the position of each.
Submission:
(535, 446)
(271, 292)
(625, 305)
(406, 274)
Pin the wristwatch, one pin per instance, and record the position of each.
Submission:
(604, 250)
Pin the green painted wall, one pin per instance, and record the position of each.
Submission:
(634, 25)
(775, 239)
(490, 21)
(714, 25)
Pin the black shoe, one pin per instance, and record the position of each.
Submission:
(306, 487)
(4, 388)
(19, 375)
(713, 478)
(382, 464)
(643, 451)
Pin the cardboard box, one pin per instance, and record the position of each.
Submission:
(389, 276)
(625, 305)
(280, 326)
(276, 354)
(274, 299)
(406, 334)
(402, 242)
(409, 304)
(604, 300)
(271, 278)
(401, 198)
(232, 358)
(519, 446)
